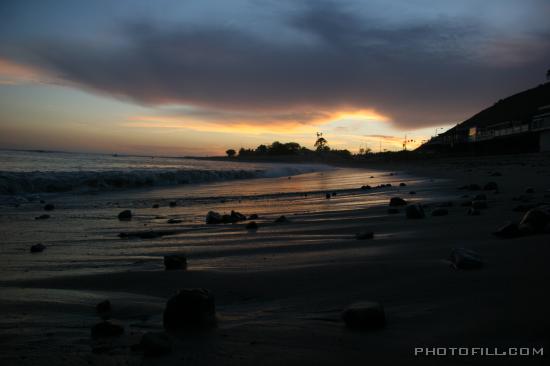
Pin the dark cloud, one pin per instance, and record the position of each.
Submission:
(419, 74)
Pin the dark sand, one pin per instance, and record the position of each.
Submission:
(284, 308)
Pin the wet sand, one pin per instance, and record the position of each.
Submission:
(280, 291)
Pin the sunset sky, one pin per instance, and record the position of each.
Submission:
(198, 77)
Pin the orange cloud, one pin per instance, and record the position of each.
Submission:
(12, 73)
(251, 123)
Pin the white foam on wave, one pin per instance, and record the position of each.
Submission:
(88, 181)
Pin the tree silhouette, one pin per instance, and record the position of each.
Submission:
(321, 144)
(230, 153)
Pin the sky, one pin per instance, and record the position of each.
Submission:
(196, 77)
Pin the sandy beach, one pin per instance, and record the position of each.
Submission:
(280, 290)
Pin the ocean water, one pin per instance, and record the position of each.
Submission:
(24, 172)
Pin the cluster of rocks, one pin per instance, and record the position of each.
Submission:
(213, 217)
(106, 328)
(368, 187)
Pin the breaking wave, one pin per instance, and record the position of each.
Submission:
(89, 181)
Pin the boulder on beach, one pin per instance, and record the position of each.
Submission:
(491, 186)
(42, 217)
(402, 184)
(462, 258)
(175, 262)
(364, 315)
(156, 205)
(174, 221)
(253, 217)
(414, 212)
(104, 309)
(213, 217)
(125, 215)
(412, 192)
(251, 226)
(106, 329)
(155, 344)
(366, 188)
(440, 212)
(49, 207)
(529, 190)
(173, 204)
(364, 235)
(507, 231)
(37, 248)
(397, 201)
(190, 309)
(479, 204)
(327, 196)
(535, 221)
(281, 219)
(393, 210)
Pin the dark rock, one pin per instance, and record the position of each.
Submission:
(402, 184)
(334, 194)
(366, 188)
(213, 217)
(49, 207)
(104, 309)
(150, 234)
(155, 344)
(474, 187)
(491, 186)
(237, 216)
(251, 226)
(529, 190)
(42, 217)
(496, 174)
(327, 196)
(473, 212)
(173, 204)
(534, 221)
(479, 205)
(175, 262)
(37, 248)
(412, 192)
(253, 217)
(363, 235)
(281, 219)
(125, 215)
(388, 185)
(397, 201)
(156, 205)
(364, 315)
(174, 221)
(509, 230)
(415, 212)
(446, 204)
(393, 211)
(440, 212)
(462, 258)
(107, 329)
(189, 309)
